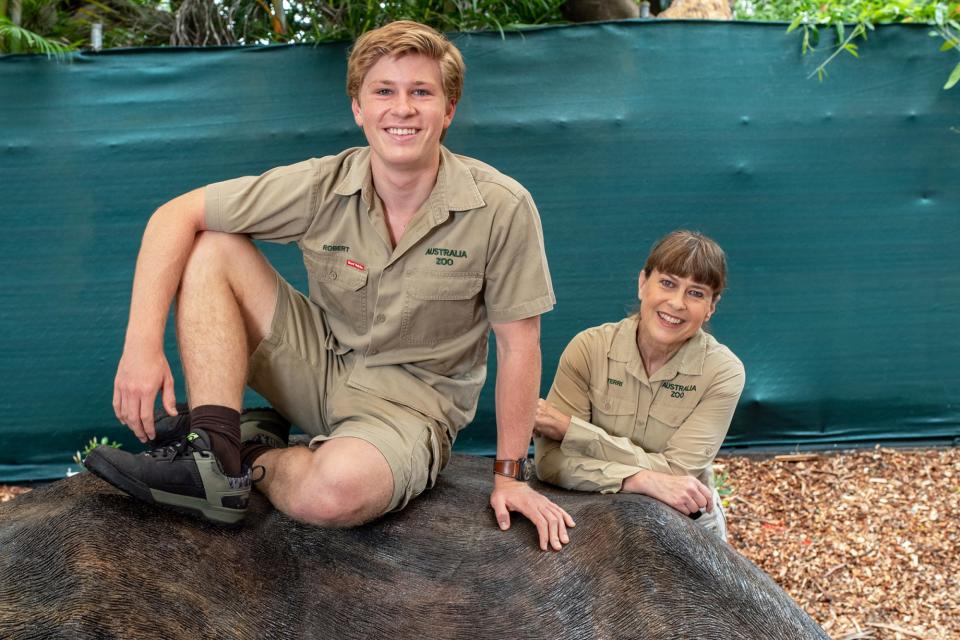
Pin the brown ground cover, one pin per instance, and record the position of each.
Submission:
(865, 541)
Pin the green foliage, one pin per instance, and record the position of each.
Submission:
(17, 39)
(721, 481)
(347, 19)
(93, 444)
(860, 16)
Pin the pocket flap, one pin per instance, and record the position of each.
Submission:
(335, 271)
(670, 416)
(612, 405)
(444, 286)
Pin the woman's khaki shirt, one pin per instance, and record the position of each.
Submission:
(623, 422)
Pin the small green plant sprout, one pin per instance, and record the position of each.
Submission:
(721, 482)
(93, 444)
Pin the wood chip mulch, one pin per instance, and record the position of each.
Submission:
(9, 492)
(867, 542)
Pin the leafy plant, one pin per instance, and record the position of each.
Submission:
(721, 481)
(93, 444)
(17, 39)
(852, 20)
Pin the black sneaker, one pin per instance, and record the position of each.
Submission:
(264, 426)
(170, 429)
(184, 476)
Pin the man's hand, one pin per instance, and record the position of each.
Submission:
(551, 521)
(686, 494)
(549, 422)
(139, 377)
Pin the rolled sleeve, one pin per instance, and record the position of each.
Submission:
(276, 205)
(576, 472)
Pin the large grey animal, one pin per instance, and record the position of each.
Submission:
(80, 560)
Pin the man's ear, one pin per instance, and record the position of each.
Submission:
(451, 110)
(357, 112)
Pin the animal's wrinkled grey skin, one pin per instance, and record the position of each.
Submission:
(80, 560)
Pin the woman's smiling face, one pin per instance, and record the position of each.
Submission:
(672, 308)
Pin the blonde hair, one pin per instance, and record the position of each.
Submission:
(690, 254)
(399, 39)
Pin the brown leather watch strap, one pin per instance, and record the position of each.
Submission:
(509, 468)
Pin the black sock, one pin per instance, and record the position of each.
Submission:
(252, 450)
(222, 425)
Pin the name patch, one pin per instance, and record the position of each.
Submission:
(356, 265)
(618, 383)
(336, 248)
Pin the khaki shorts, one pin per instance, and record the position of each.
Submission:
(296, 369)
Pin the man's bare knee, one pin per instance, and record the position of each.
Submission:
(349, 483)
(212, 252)
(337, 505)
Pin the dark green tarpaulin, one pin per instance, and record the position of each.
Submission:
(837, 202)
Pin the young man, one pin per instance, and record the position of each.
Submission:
(412, 254)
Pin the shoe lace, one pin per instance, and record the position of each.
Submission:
(183, 446)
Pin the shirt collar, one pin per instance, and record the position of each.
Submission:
(455, 190)
(688, 360)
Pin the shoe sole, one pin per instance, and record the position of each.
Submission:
(197, 507)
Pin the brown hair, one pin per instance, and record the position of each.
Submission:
(689, 254)
(399, 39)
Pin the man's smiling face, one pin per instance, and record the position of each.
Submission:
(403, 111)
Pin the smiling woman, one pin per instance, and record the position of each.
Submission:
(642, 405)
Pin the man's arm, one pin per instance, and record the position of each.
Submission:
(518, 384)
(143, 369)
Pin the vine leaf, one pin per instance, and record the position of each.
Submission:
(954, 77)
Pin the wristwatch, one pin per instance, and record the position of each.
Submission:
(520, 469)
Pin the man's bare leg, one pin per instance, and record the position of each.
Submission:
(224, 309)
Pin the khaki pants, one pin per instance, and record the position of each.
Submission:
(715, 521)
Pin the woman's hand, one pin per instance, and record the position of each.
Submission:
(686, 494)
(550, 423)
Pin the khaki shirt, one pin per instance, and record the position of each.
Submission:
(415, 317)
(623, 422)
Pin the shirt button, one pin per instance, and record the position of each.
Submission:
(332, 275)
(381, 319)
(373, 352)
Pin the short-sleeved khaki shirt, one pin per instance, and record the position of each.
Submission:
(417, 316)
(622, 421)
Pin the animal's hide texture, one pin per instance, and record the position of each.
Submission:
(78, 559)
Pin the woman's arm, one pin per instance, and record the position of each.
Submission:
(585, 457)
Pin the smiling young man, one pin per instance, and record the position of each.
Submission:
(412, 253)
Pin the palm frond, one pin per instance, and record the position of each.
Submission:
(15, 39)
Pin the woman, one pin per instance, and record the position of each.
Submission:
(642, 405)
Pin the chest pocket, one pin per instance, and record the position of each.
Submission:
(615, 415)
(662, 424)
(439, 306)
(339, 288)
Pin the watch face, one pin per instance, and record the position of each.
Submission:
(525, 472)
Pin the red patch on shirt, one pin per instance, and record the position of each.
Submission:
(356, 265)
